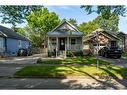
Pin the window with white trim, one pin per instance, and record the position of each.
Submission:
(73, 41)
(19, 43)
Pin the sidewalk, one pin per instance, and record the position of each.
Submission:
(54, 83)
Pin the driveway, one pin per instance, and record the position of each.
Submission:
(26, 59)
(8, 70)
(119, 62)
(22, 60)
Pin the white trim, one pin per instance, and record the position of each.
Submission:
(68, 24)
(19, 42)
(3, 33)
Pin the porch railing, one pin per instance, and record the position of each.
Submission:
(74, 47)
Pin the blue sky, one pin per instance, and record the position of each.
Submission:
(79, 14)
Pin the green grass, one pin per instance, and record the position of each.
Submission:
(86, 60)
(56, 71)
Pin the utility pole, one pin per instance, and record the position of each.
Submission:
(97, 56)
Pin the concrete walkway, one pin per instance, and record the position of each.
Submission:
(26, 59)
(21, 60)
(68, 83)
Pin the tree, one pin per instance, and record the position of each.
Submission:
(41, 22)
(73, 21)
(87, 28)
(105, 11)
(25, 31)
(110, 24)
(16, 14)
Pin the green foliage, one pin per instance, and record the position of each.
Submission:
(108, 18)
(108, 24)
(23, 31)
(74, 53)
(89, 27)
(41, 22)
(106, 11)
(73, 22)
(16, 14)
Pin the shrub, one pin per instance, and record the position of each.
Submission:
(51, 62)
(74, 53)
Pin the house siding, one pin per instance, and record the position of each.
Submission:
(2, 44)
(13, 47)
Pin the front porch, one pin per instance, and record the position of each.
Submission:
(58, 46)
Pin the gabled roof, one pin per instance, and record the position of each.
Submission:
(65, 29)
(101, 31)
(9, 33)
(117, 33)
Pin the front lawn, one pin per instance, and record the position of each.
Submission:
(63, 71)
(86, 60)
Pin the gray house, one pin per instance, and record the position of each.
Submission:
(11, 42)
(65, 37)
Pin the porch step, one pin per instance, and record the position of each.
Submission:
(61, 54)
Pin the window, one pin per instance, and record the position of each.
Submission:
(54, 41)
(113, 43)
(19, 43)
(73, 41)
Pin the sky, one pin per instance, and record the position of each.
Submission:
(75, 12)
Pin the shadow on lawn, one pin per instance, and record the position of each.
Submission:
(118, 71)
(103, 84)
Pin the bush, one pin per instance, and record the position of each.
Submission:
(39, 60)
(51, 62)
(74, 53)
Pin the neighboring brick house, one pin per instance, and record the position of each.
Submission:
(105, 38)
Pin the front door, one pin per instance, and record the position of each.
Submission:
(62, 43)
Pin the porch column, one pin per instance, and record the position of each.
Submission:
(48, 44)
(48, 47)
(67, 43)
(82, 44)
(56, 46)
